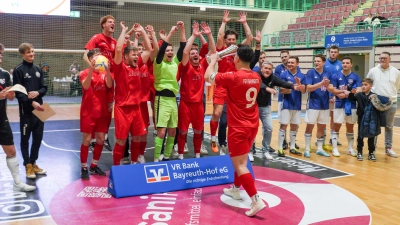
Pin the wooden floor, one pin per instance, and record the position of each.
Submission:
(376, 183)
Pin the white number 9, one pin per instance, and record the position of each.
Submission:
(251, 92)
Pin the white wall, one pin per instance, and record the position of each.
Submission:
(276, 19)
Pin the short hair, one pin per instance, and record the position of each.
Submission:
(195, 44)
(386, 53)
(348, 58)
(284, 51)
(231, 32)
(24, 47)
(1, 47)
(140, 44)
(194, 49)
(104, 20)
(295, 57)
(90, 53)
(129, 49)
(333, 47)
(245, 53)
(96, 50)
(267, 63)
(368, 80)
(322, 57)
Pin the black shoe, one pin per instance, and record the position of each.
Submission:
(294, 151)
(164, 159)
(281, 153)
(271, 149)
(107, 145)
(360, 156)
(97, 171)
(295, 146)
(371, 157)
(85, 173)
(285, 145)
(338, 143)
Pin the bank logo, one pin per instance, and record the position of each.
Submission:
(156, 173)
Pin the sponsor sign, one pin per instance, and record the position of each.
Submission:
(364, 39)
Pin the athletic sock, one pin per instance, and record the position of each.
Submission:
(135, 150)
(117, 153)
(197, 140)
(293, 139)
(213, 127)
(324, 137)
(350, 140)
(308, 141)
(84, 154)
(334, 139)
(158, 143)
(247, 182)
(281, 137)
(236, 181)
(96, 155)
(143, 147)
(13, 166)
(320, 142)
(181, 143)
(168, 146)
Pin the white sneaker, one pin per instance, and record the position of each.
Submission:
(391, 153)
(222, 151)
(186, 150)
(203, 150)
(335, 152)
(23, 187)
(351, 152)
(180, 156)
(176, 148)
(267, 156)
(175, 154)
(256, 207)
(233, 192)
(161, 157)
(141, 159)
(251, 157)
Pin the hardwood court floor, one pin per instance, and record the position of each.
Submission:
(375, 183)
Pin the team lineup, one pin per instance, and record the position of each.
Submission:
(124, 75)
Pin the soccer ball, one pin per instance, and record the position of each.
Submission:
(101, 63)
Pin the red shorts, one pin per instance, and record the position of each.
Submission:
(190, 112)
(128, 119)
(240, 140)
(144, 110)
(219, 96)
(91, 125)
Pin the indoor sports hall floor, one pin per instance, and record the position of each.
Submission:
(297, 190)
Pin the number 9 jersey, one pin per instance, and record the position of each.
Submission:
(242, 89)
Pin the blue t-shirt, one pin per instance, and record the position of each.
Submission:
(333, 67)
(256, 69)
(292, 101)
(319, 98)
(340, 82)
(278, 71)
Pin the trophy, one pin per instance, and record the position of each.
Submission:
(231, 50)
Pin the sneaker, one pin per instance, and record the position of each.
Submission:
(155, 133)
(284, 145)
(233, 192)
(322, 153)
(176, 148)
(391, 153)
(161, 157)
(351, 152)
(38, 170)
(281, 153)
(338, 143)
(360, 156)
(307, 154)
(255, 208)
(371, 157)
(223, 150)
(214, 146)
(271, 149)
(141, 159)
(97, 171)
(125, 161)
(107, 145)
(295, 151)
(251, 157)
(335, 152)
(295, 146)
(29, 171)
(175, 154)
(23, 187)
(85, 173)
(267, 156)
(203, 150)
(186, 150)
(327, 147)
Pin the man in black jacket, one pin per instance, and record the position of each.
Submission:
(31, 77)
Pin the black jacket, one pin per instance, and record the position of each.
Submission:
(31, 77)
(264, 97)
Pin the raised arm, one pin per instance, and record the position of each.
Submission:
(207, 31)
(164, 45)
(221, 31)
(120, 44)
(186, 51)
(243, 20)
(155, 46)
(257, 51)
(182, 43)
(209, 75)
(146, 41)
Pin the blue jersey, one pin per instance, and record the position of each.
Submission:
(333, 67)
(278, 71)
(319, 98)
(292, 101)
(340, 82)
(256, 69)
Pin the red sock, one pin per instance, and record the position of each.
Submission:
(181, 143)
(236, 180)
(248, 184)
(142, 147)
(213, 127)
(93, 136)
(84, 153)
(197, 139)
(117, 154)
(96, 155)
(135, 149)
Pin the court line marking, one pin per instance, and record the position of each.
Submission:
(24, 219)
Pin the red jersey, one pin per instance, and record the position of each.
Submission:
(127, 84)
(106, 45)
(146, 80)
(192, 81)
(94, 99)
(242, 87)
(226, 64)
